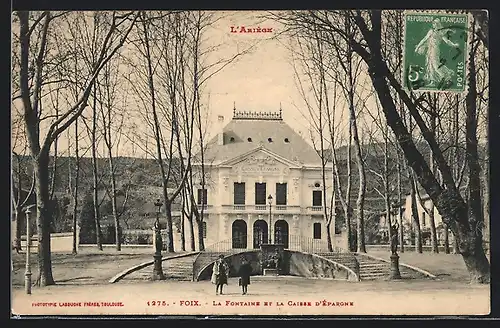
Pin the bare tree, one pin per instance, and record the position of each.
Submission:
(31, 96)
(112, 118)
(447, 199)
(314, 68)
(351, 64)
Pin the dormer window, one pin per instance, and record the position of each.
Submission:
(287, 140)
(270, 139)
(231, 139)
(249, 139)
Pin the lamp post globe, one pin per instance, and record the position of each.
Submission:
(270, 201)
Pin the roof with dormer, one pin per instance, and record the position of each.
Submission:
(248, 131)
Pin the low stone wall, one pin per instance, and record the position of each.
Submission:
(59, 242)
(294, 263)
(313, 266)
(408, 248)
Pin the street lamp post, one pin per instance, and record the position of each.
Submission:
(394, 273)
(27, 274)
(157, 269)
(270, 201)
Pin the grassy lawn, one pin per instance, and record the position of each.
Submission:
(88, 267)
(444, 266)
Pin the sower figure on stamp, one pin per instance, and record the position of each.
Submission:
(244, 272)
(394, 238)
(219, 274)
(436, 71)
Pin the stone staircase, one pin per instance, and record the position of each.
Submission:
(180, 268)
(376, 269)
(347, 259)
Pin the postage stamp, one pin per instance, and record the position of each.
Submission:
(435, 51)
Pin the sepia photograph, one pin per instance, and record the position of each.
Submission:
(250, 163)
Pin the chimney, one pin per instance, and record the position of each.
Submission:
(220, 133)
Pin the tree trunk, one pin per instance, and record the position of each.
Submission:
(456, 249)
(54, 165)
(446, 239)
(191, 231)
(416, 220)
(486, 183)
(360, 240)
(19, 217)
(476, 260)
(400, 214)
(43, 219)
(95, 180)
(486, 197)
(387, 195)
(183, 235)
(201, 242)
(434, 241)
(113, 203)
(75, 192)
(344, 201)
(329, 237)
(170, 234)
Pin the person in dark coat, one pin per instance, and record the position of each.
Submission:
(220, 273)
(244, 273)
(394, 238)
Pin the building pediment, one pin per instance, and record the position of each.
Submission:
(260, 161)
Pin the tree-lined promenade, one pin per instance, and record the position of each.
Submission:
(83, 75)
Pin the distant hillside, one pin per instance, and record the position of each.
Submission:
(139, 183)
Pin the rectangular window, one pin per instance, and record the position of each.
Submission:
(202, 197)
(260, 194)
(281, 194)
(239, 193)
(317, 198)
(317, 230)
(204, 227)
(423, 218)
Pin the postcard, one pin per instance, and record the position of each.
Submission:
(256, 163)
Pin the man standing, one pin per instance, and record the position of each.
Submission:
(220, 273)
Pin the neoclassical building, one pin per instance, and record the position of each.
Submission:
(263, 184)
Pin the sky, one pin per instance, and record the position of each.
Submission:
(260, 80)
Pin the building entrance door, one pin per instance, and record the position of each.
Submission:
(259, 233)
(239, 234)
(281, 233)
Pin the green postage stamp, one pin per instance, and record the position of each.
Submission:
(435, 52)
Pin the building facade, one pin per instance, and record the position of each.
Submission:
(263, 185)
(424, 221)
